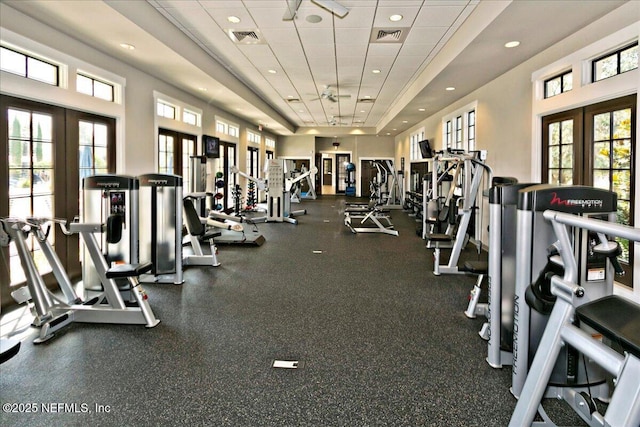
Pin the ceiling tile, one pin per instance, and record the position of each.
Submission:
(438, 16)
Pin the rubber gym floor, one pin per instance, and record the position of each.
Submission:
(379, 340)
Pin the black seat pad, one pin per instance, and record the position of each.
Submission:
(120, 271)
(438, 237)
(616, 318)
(476, 267)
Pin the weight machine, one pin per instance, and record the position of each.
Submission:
(536, 262)
(296, 185)
(386, 188)
(53, 312)
(104, 196)
(578, 317)
(469, 170)
(278, 188)
(161, 227)
(369, 213)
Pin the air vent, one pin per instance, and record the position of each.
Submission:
(245, 37)
(388, 35)
(366, 100)
(292, 99)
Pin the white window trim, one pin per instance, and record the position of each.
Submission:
(414, 139)
(464, 112)
(65, 94)
(585, 92)
(252, 135)
(226, 136)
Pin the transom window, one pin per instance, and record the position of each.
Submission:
(558, 84)
(28, 66)
(253, 137)
(93, 87)
(189, 117)
(618, 62)
(227, 128)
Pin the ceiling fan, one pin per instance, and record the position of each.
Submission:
(330, 5)
(335, 121)
(330, 95)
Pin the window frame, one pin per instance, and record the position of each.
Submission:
(26, 74)
(617, 53)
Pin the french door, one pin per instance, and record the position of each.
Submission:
(595, 146)
(174, 151)
(48, 150)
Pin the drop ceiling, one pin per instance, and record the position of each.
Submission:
(319, 73)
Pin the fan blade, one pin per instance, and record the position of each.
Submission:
(333, 7)
(292, 9)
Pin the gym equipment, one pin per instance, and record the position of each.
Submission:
(161, 227)
(350, 180)
(386, 188)
(498, 330)
(470, 168)
(534, 247)
(103, 196)
(52, 312)
(278, 189)
(197, 232)
(296, 179)
(8, 349)
(372, 213)
(236, 235)
(577, 312)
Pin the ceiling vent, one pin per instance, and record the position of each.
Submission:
(366, 100)
(292, 100)
(246, 37)
(388, 35)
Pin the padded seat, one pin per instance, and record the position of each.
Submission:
(439, 237)
(616, 318)
(122, 271)
(194, 225)
(476, 267)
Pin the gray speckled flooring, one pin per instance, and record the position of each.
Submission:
(382, 340)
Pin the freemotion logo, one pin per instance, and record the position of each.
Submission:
(581, 203)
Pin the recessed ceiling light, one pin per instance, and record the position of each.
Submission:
(272, 71)
(376, 71)
(127, 46)
(514, 43)
(450, 88)
(421, 109)
(362, 111)
(404, 121)
(367, 96)
(202, 89)
(233, 19)
(395, 18)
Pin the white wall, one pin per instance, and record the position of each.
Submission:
(135, 117)
(509, 113)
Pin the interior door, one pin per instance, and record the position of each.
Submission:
(341, 172)
(327, 171)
